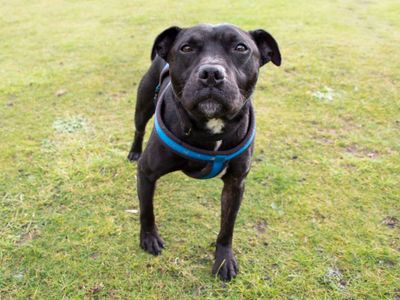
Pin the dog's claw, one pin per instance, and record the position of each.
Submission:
(133, 156)
(225, 264)
(151, 242)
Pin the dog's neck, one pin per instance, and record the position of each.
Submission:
(206, 134)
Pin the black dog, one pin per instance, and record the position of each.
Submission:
(204, 105)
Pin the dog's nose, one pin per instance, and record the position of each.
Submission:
(211, 75)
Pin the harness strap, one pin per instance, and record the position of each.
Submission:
(186, 124)
(164, 74)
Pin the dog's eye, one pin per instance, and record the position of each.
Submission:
(241, 47)
(186, 48)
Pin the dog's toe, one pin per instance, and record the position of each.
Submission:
(151, 243)
(133, 156)
(225, 264)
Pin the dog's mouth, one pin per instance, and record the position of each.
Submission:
(210, 108)
(207, 103)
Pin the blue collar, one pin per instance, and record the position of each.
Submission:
(217, 159)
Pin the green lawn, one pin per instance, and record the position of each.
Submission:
(321, 213)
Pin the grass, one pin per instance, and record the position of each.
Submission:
(320, 217)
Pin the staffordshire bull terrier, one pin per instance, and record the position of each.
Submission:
(199, 86)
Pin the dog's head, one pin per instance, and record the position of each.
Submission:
(214, 69)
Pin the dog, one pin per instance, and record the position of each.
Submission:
(199, 86)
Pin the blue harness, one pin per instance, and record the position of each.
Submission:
(217, 160)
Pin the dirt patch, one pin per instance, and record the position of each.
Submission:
(267, 277)
(29, 236)
(261, 226)
(372, 154)
(397, 294)
(390, 222)
(117, 96)
(93, 290)
(318, 216)
(334, 278)
(325, 140)
(361, 152)
(349, 124)
(349, 166)
(326, 136)
(112, 294)
(61, 92)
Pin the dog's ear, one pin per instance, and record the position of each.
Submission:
(164, 42)
(268, 47)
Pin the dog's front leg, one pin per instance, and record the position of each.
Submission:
(225, 262)
(150, 241)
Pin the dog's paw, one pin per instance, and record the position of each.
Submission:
(225, 264)
(151, 242)
(133, 156)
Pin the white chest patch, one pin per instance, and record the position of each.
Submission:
(222, 173)
(215, 125)
(217, 145)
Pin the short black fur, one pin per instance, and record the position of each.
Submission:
(213, 73)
